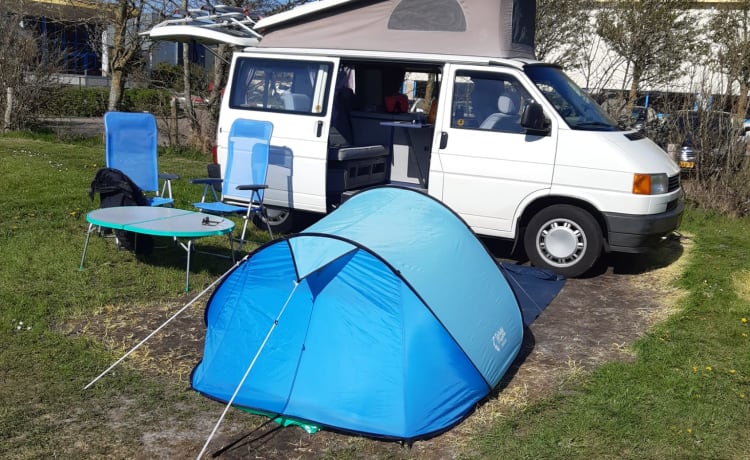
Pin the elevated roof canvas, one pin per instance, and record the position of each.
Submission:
(491, 28)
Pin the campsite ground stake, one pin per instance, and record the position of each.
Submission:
(195, 299)
(247, 372)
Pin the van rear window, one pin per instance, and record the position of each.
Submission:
(280, 86)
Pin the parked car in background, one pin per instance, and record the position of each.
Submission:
(703, 142)
(644, 119)
(197, 100)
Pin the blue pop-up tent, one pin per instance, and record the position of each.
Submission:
(388, 317)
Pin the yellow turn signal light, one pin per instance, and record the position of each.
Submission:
(642, 184)
(650, 184)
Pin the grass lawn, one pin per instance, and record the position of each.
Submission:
(44, 363)
(686, 395)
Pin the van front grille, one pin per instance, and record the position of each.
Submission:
(674, 182)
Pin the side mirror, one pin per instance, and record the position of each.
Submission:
(534, 121)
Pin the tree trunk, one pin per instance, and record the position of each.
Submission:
(633, 93)
(174, 125)
(116, 90)
(194, 127)
(127, 16)
(742, 100)
(195, 134)
(8, 109)
(221, 67)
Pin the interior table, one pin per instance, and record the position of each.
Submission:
(159, 221)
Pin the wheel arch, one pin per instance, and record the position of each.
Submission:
(546, 201)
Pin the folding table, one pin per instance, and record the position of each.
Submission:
(159, 221)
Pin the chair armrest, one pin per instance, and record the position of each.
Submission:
(207, 180)
(168, 176)
(251, 187)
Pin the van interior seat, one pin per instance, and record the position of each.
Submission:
(504, 118)
(342, 139)
(351, 166)
(357, 153)
(297, 102)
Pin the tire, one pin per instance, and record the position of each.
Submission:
(282, 220)
(565, 239)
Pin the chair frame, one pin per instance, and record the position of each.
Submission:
(128, 128)
(260, 136)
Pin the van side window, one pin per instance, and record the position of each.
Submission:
(280, 86)
(488, 101)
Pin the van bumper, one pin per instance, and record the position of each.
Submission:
(637, 234)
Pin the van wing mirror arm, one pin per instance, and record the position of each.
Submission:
(534, 121)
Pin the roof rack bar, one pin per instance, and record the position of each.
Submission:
(231, 20)
(248, 29)
(216, 16)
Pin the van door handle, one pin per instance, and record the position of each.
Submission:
(319, 130)
(443, 140)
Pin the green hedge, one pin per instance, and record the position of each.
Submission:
(92, 102)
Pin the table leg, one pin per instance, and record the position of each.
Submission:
(188, 248)
(187, 269)
(391, 156)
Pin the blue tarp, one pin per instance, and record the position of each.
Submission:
(534, 287)
(388, 317)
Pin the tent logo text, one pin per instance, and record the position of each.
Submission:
(499, 339)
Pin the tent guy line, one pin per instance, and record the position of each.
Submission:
(171, 318)
(408, 282)
(247, 372)
(397, 294)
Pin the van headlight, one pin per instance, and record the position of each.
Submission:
(650, 184)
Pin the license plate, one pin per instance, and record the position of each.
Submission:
(687, 164)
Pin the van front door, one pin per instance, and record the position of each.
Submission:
(488, 166)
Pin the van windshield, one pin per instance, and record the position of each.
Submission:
(579, 110)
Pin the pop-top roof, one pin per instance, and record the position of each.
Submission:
(491, 28)
(488, 28)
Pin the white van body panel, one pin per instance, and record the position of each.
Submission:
(487, 174)
(612, 151)
(485, 178)
(598, 167)
(299, 144)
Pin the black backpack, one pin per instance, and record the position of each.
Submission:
(115, 188)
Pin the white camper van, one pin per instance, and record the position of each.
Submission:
(510, 144)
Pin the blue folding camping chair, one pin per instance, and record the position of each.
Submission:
(130, 141)
(244, 182)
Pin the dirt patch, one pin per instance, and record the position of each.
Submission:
(593, 320)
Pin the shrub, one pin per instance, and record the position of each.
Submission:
(79, 102)
(156, 101)
(92, 102)
(727, 194)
